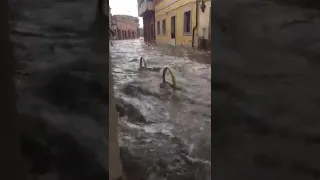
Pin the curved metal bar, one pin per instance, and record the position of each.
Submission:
(173, 79)
(144, 63)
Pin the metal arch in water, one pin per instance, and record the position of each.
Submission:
(173, 79)
(144, 63)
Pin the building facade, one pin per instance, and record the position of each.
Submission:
(204, 24)
(146, 11)
(125, 27)
(113, 26)
(176, 22)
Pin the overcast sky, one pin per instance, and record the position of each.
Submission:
(126, 7)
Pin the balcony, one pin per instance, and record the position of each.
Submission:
(144, 6)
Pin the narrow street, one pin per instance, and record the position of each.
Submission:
(164, 134)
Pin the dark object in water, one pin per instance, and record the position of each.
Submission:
(120, 110)
(142, 60)
(144, 67)
(156, 69)
(133, 60)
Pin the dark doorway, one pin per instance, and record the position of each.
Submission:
(148, 33)
(118, 34)
(173, 30)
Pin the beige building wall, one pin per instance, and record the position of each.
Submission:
(164, 11)
(204, 25)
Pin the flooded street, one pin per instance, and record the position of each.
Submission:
(165, 134)
(62, 87)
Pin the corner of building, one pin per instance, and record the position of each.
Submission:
(204, 25)
(146, 11)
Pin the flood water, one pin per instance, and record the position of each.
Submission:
(165, 134)
(61, 85)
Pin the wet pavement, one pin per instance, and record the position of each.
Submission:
(165, 134)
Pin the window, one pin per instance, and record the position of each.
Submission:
(164, 27)
(187, 23)
(173, 27)
(158, 27)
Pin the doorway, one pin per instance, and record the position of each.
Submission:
(118, 34)
(173, 30)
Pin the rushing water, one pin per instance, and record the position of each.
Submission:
(61, 87)
(167, 132)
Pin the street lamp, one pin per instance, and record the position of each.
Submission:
(202, 6)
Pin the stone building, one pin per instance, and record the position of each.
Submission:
(125, 26)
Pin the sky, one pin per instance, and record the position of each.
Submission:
(126, 7)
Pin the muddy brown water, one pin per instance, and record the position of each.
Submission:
(166, 134)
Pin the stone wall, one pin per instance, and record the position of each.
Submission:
(126, 26)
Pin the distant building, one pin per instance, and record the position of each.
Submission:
(113, 26)
(111, 30)
(110, 15)
(146, 11)
(125, 27)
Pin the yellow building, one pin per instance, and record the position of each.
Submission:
(176, 22)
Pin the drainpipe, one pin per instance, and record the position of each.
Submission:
(196, 26)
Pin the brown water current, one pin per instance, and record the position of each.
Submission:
(166, 132)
